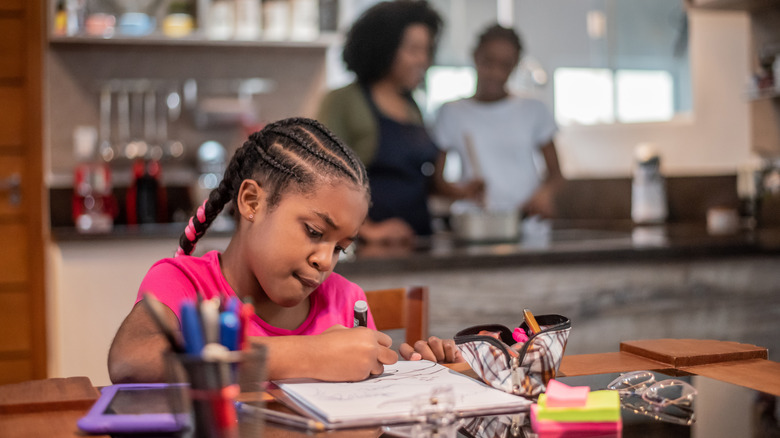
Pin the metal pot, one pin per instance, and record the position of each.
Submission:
(486, 226)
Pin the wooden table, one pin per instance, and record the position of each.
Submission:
(51, 407)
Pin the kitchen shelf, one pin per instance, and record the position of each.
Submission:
(732, 5)
(323, 42)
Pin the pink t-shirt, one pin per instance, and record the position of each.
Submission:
(173, 280)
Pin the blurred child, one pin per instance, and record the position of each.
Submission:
(300, 197)
(511, 136)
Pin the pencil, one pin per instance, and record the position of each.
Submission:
(530, 321)
(282, 418)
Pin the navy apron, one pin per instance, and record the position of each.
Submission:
(401, 172)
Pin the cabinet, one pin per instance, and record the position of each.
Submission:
(765, 34)
(22, 304)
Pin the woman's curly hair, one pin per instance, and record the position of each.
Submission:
(374, 38)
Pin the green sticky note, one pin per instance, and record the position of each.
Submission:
(601, 406)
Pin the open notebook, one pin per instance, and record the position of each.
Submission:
(390, 397)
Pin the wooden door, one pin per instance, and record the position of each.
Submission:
(22, 196)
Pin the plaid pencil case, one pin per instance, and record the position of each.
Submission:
(517, 368)
(496, 426)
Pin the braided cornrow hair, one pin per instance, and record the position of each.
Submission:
(292, 152)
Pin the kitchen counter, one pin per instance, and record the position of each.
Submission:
(564, 242)
(129, 232)
(556, 242)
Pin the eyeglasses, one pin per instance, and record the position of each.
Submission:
(668, 400)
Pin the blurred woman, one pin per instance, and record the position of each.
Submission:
(389, 48)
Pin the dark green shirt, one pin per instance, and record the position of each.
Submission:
(347, 113)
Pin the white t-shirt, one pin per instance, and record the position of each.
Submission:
(507, 136)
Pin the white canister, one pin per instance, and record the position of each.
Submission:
(221, 20)
(648, 188)
(248, 19)
(305, 20)
(276, 14)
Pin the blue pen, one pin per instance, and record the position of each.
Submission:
(229, 327)
(191, 328)
(233, 305)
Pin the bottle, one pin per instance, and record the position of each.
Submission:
(146, 199)
(211, 158)
(60, 19)
(648, 191)
(93, 203)
(329, 15)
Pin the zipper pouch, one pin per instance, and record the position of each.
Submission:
(520, 368)
(496, 426)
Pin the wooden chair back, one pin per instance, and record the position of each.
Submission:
(401, 308)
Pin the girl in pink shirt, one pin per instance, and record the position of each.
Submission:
(300, 196)
(177, 279)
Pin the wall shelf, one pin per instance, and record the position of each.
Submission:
(323, 42)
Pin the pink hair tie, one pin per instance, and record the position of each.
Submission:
(190, 231)
(179, 252)
(202, 212)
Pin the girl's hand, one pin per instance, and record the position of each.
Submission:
(352, 354)
(434, 350)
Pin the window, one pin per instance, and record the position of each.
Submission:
(644, 96)
(609, 61)
(583, 96)
(588, 96)
(444, 84)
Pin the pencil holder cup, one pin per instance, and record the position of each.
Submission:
(215, 382)
(520, 368)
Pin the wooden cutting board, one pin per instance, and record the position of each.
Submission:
(680, 353)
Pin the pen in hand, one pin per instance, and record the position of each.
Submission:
(361, 314)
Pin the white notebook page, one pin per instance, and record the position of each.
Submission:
(390, 397)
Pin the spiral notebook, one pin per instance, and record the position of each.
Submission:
(390, 398)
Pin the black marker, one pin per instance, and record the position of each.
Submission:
(361, 314)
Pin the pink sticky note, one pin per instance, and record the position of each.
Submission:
(561, 395)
